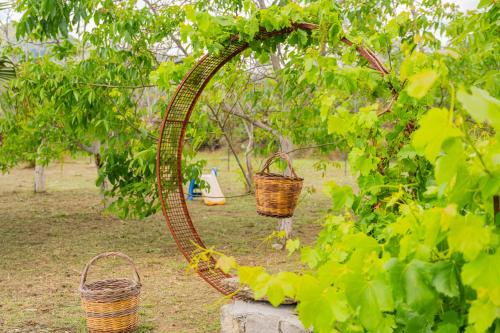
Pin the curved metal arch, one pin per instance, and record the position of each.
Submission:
(171, 142)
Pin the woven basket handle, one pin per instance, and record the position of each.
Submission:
(284, 156)
(105, 255)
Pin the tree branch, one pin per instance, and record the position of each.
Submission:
(238, 111)
(105, 85)
(175, 39)
(247, 180)
(88, 149)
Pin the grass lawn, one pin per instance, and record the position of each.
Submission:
(46, 239)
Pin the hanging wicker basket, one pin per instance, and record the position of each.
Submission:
(277, 194)
(111, 305)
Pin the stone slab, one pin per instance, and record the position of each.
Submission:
(259, 317)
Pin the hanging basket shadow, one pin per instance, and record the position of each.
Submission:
(277, 195)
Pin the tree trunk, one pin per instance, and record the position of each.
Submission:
(286, 223)
(40, 179)
(249, 127)
(96, 148)
(104, 185)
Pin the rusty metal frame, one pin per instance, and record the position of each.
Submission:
(171, 142)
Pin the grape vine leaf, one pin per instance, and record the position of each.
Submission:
(370, 298)
(342, 196)
(482, 314)
(483, 272)
(292, 245)
(420, 83)
(225, 263)
(340, 122)
(275, 292)
(435, 127)
(447, 328)
(310, 256)
(362, 162)
(420, 296)
(367, 116)
(448, 164)
(248, 274)
(276, 287)
(445, 278)
(387, 325)
(481, 106)
(395, 271)
(468, 235)
(315, 307)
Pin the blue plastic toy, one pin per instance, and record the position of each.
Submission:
(193, 187)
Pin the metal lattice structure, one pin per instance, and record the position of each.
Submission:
(171, 142)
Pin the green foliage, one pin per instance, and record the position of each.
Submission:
(342, 196)
(7, 71)
(435, 128)
(420, 83)
(481, 106)
(413, 248)
(53, 18)
(87, 94)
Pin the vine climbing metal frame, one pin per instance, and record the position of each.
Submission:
(171, 142)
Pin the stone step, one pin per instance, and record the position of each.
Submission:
(259, 317)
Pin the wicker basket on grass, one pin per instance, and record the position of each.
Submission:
(277, 194)
(111, 305)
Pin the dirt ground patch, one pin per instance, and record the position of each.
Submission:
(46, 239)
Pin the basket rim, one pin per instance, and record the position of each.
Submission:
(282, 216)
(270, 175)
(89, 291)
